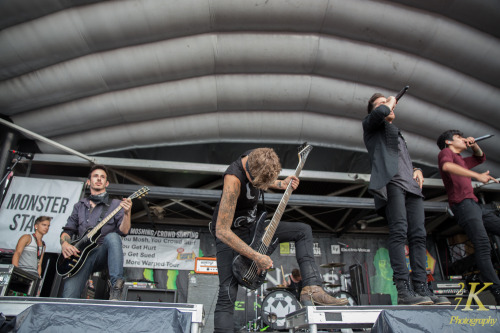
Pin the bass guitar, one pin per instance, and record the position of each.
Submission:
(67, 267)
(244, 269)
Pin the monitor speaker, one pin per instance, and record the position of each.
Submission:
(150, 295)
(375, 299)
(203, 289)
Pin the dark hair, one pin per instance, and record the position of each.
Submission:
(42, 218)
(372, 99)
(296, 273)
(98, 167)
(448, 135)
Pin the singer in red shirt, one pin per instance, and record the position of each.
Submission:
(477, 220)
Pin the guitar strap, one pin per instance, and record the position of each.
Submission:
(263, 201)
(103, 212)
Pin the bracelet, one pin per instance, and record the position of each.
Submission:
(415, 169)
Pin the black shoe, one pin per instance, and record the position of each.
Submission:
(406, 295)
(422, 289)
(115, 294)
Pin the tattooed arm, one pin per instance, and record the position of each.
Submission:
(282, 184)
(223, 231)
(66, 248)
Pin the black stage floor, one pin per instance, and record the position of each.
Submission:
(81, 315)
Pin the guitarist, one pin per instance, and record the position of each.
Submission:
(86, 214)
(234, 220)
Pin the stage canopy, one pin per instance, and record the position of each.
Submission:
(200, 80)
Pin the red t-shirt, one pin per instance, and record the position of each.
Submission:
(458, 187)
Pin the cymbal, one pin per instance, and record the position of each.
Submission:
(278, 288)
(332, 265)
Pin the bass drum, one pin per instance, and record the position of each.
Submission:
(345, 294)
(276, 306)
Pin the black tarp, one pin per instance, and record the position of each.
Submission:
(437, 320)
(73, 318)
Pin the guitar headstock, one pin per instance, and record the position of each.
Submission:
(304, 150)
(139, 193)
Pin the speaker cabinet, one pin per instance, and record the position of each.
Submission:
(150, 295)
(375, 299)
(203, 289)
(357, 283)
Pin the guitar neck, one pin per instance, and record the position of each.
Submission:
(104, 221)
(273, 225)
(138, 194)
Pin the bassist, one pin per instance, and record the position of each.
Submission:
(234, 222)
(87, 213)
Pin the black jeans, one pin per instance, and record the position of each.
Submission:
(477, 222)
(300, 233)
(406, 218)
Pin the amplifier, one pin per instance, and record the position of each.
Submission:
(150, 295)
(205, 265)
(357, 283)
(455, 288)
(16, 282)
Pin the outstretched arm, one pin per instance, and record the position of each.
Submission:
(461, 171)
(223, 231)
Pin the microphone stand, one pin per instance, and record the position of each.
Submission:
(9, 170)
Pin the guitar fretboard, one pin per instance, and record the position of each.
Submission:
(142, 192)
(104, 221)
(273, 225)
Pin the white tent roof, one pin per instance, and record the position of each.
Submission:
(101, 76)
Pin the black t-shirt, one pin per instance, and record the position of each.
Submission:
(246, 206)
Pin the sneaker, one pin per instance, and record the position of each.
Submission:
(406, 295)
(311, 295)
(115, 294)
(422, 289)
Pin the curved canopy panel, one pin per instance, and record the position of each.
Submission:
(104, 76)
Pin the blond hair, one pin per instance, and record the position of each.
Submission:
(264, 167)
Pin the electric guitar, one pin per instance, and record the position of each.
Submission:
(244, 269)
(67, 267)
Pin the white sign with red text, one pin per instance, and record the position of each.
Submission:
(159, 252)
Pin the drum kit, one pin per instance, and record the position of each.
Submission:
(279, 301)
(343, 292)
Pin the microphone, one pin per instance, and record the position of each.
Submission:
(484, 137)
(401, 93)
(29, 156)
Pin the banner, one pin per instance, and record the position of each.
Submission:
(160, 249)
(29, 198)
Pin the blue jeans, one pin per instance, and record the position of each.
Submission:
(406, 218)
(109, 254)
(300, 233)
(477, 222)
